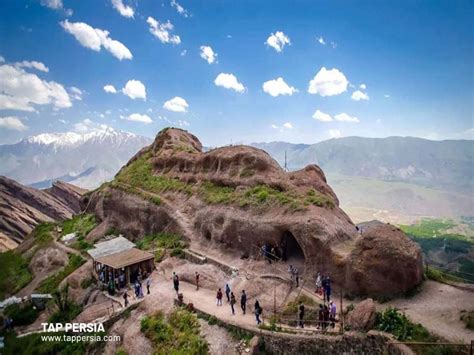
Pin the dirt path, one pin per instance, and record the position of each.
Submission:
(437, 306)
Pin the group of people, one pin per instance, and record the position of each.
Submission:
(323, 286)
(294, 275)
(327, 315)
(138, 288)
(243, 302)
(273, 252)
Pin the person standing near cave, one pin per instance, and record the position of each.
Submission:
(227, 292)
(297, 277)
(243, 301)
(219, 298)
(232, 303)
(176, 283)
(258, 312)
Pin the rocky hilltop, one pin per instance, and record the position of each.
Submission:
(236, 198)
(22, 208)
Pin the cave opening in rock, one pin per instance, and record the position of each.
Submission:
(292, 250)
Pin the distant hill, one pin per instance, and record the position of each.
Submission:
(396, 179)
(85, 160)
(441, 164)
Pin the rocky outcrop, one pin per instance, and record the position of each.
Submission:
(363, 316)
(237, 197)
(22, 207)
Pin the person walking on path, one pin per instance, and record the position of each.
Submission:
(197, 281)
(232, 303)
(332, 313)
(219, 298)
(318, 283)
(297, 277)
(258, 312)
(125, 299)
(321, 317)
(148, 284)
(176, 283)
(243, 301)
(301, 314)
(327, 292)
(227, 291)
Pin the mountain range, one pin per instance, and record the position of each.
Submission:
(83, 159)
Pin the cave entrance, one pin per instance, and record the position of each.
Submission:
(292, 251)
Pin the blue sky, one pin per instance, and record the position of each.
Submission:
(411, 63)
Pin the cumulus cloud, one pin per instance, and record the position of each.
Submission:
(284, 127)
(75, 93)
(32, 64)
(359, 95)
(229, 81)
(328, 83)
(344, 117)
(56, 5)
(278, 41)
(110, 89)
(278, 87)
(362, 86)
(334, 133)
(95, 39)
(139, 118)
(208, 54)
(135, 89)
(176, 104)
(12, 123)
(321, 40)
(179, 9)
(321, 116)
(162, 31)
(20, 90)
(124, 10)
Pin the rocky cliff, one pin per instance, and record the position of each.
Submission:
(236, 198)
(22, 208)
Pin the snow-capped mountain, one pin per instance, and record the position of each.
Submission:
(84, 159)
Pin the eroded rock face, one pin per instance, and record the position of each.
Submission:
(236, 198)
(363, 316)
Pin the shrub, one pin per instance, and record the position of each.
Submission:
(14, 273)
(161, 240)
(81, 225)
(159, 255)
(22, 314)
(178, 252)
(42, 234)
(85, 283)
(468, 318)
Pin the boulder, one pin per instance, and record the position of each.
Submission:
(363, 316)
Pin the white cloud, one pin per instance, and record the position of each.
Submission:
(208, 54)
(362, 86)
(328, 83)
(321, 40)
(288, 125)
(87, 125)
(110, 89)
(139, 118)
(20, 90)
(183, 52)
(56, 5)
(334, 133)
(33, 64)
(176, 104)
(229, 81)
(277, 87)
(386, 96)
(278, 41)
(359, 95)
(95, 39)
(12, 123)
(284, 127)
(181, 10)
(162, 31)
(124, 10)
(135, 89)
(76, 93)
(321, 116)
(344, 117)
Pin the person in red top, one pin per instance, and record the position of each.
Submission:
(219, 297)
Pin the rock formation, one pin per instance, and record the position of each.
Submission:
(22, 208)
(363, 316)
(236, 198)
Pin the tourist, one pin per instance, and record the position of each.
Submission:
(325, 316)
(318, 283)
(227, 291)
(301, 314)
(140, 291)
(122, 280)
(232, 303)
(125, 298)
(291, 271)
(137, 289)
(219, 298)
(176, 283)
(148, 284)
(243, 301)
(321, 317)
(258, 312)
(297, 277)
(332, 313)
(327, 292)
(197, 280)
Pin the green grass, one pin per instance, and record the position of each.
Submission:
(42, 234)
(318, 199)
(14, 273)
(81, 225)
(161, 240)
(291, 309)
(22, 314)
(51, 283)
(179, 333)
